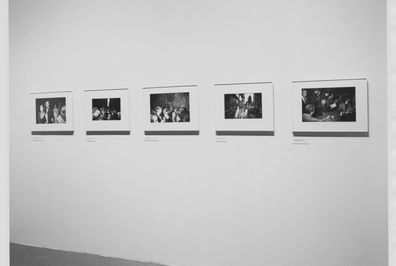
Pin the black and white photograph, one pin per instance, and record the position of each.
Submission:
(328, 104)
(170, 107)
(243, 106)
(106, 109)
(51, 110)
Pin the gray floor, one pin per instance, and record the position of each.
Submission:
(21, 255)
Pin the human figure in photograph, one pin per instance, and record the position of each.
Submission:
(323, 107)
(242, 110)
(304, 100)
(55, 111)
(42, 116)
(168, 115)
(308, 114)
(61, 118)
(49, 112)
(328, 104)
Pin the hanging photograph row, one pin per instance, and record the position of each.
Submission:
(317, 106)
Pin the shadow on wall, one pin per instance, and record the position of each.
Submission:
(21, 255)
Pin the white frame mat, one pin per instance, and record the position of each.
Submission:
(56, 127)
(244, 126)
(361, 95)
(122, 125)
(171, 128)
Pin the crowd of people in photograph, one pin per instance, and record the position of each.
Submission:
(243, 106)
(169, 114)
(170, 107)
(106, 109)
(328, 104)
(51, 115)
(105, 113)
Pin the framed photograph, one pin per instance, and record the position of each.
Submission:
(244, 108)
(330, 106)
(52, 111)
(107, 110)
(171, 110)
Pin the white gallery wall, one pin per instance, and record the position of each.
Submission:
(4, 135)
(199, 200)
(392, 128)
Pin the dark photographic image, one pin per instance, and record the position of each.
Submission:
(106, 109)
(51, 110)
(243, 106)
(329, 104)
(170, 107)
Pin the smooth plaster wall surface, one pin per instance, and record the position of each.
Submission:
(199, 200)
(4, 135)
(392, 128)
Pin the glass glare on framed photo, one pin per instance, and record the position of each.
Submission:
(106, 109)
(51, 110)
(243, 106)
(328, 104)
(170, 107)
